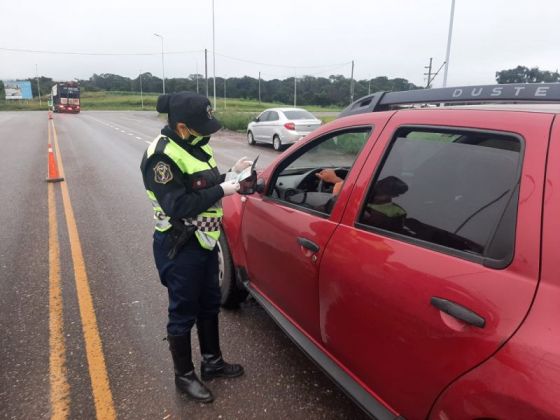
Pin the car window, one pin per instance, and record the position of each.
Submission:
(296, 182)
(448, 188)
(264, 116)
(273, 116)
(299, 114)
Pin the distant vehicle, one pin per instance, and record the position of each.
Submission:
(281, 126)
(66, 97)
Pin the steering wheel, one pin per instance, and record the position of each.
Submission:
(321, 185)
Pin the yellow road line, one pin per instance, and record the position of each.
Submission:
(59, 388)
(104, 406)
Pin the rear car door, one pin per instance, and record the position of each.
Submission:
(284, 232)
(436, 260)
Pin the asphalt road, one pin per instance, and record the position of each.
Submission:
(107, 253)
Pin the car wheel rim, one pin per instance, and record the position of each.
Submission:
(276, 143)
(250, 138)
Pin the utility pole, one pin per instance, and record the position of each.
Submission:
(206, 69)
(214, 54)
(352, 83)
(197, 77)
(38, 86)
(449, 43)
(141, 91)
(369, 87)
(429, 74)
(259, 87)
(162, 61)
(295, 88)
(225, 92)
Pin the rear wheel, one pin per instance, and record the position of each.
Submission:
(250, 138)
(232, 294)
(276, 142)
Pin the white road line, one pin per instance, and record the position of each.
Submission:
(147, 142)
(139, 138)
(130, 134)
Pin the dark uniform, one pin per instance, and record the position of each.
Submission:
(184, 186)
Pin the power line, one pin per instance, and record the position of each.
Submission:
(21, 50)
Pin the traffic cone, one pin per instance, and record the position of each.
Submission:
(50, 115)
(53, 175)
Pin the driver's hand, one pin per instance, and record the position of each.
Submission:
(329, 175)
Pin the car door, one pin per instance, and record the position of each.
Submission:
(284, 232)
(436, 260)
(259, 127)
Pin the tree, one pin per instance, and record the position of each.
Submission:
(522, 74)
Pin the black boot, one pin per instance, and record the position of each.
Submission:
(185, 377)
(213, 365)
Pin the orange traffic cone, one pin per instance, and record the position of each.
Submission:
(53, 175)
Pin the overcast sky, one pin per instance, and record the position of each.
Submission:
(393, 38)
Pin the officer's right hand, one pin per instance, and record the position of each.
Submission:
(230, 187)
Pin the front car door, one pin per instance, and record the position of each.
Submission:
(436, 260)
(260, 126)
(285, 231)
(271, 126)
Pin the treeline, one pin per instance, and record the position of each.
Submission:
(324, 91)
(522, 74)
(334, 90)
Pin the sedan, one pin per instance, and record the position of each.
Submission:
(281, 126)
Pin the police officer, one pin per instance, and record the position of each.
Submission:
(185, 188)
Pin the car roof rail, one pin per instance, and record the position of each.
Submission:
(513, 93)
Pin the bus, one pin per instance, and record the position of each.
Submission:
(66, 97)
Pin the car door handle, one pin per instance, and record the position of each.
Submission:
(458, 311)
(310, 245)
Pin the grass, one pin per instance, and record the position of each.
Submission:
(234, 114)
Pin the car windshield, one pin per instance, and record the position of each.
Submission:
(299, 114)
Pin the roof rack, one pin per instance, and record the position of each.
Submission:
(520, 92)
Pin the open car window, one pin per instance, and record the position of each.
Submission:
(297, 183)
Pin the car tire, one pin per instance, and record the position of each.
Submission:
(250, 138)
(232, 294)
(276, 142)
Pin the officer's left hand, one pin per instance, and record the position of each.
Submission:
(241, 164)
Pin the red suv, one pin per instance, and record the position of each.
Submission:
(427, 284)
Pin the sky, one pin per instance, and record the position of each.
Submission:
(280, 39)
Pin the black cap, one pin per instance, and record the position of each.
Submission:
(190, 108)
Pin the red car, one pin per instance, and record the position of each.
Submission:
(429, 285)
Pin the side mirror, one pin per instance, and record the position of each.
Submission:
(256, 119)
(260, 186)
(248, 185)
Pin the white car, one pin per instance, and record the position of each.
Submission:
(281, 126)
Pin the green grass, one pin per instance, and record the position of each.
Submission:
(234, 114)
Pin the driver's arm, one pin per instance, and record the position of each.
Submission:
(329, 175)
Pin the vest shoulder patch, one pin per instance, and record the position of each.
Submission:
(162, 173)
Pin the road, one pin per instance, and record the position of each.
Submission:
(82, 312)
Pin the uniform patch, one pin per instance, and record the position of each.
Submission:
(162, 173)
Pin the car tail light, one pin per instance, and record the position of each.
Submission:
(290, 126)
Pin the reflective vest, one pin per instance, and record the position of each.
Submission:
(209, 221)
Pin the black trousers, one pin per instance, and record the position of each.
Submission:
(192, 282)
